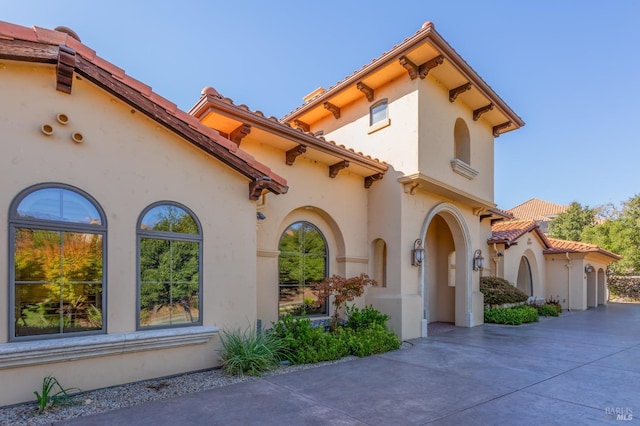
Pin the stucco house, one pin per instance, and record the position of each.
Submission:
(571, 272)
(136, 231)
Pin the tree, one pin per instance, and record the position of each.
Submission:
(570, 224)
(343, 290)
(620, 234)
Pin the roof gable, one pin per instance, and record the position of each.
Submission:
(71, 56)
(423, 53)
(509, 232)
(536, 209)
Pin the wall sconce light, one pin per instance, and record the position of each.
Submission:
(260, 216)
(478, 260)
(588, 269)
(417, 254)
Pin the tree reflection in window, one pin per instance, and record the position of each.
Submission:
(170, 267)
(58, 241)
(302, 263)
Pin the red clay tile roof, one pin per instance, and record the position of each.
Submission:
(536, 209)
(508, 232)
(43, 45)
(212, 98)
(427, 31)
(564, 246)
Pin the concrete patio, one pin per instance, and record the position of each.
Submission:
(582, 368)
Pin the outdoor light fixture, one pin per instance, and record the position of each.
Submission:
(588, 269)
(260, 216)
(478, 260)
(417, 254)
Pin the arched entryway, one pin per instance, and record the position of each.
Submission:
(445, 277)
(592, 295)
(525, 279)
(602, 292)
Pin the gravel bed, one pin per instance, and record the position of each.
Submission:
(113, 398)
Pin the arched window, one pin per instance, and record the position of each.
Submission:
(57, 246)
(462, 141)
(302, 263)
(169, 267)
(380, 262)
(378, 112)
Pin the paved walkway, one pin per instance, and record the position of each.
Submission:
(582, 368)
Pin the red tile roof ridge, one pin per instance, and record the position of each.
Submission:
(507, 232)
(567, 246)
(57, 38)
(537, 209)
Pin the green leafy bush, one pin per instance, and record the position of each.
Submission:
(359, 319)
(498, 291)
(555, 303)
(513, 316)
(548, 310)
(365, 333)
(374, 339)
(251, 353)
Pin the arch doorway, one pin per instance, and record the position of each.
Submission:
(525, 280)
(446, 272)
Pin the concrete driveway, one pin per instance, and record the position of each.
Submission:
(582, 368)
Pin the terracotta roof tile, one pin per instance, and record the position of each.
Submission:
(508, 232)
(46, 36)
(536, 209)
(209, 92)
(427, 31)
(210, 138)
(564, 246)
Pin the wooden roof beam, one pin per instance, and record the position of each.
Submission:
(258, 186)
(293, 153)
(333, 108)
(421, 71)
(497, 129)
(368, 91)
(453, 93)
(335, 168)
(64, 69)
(478, 112)
(239, 133)
(368, 181)
(302, 125)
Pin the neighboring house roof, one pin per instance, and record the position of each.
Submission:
(239, 121)
(564, 246)
(536, 209)
(60, 48)
(508, 232)
(426, 52)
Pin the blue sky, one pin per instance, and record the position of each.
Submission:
(570, 69)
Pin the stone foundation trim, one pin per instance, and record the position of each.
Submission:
(24, 354)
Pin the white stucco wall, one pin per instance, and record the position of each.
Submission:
(126, 163)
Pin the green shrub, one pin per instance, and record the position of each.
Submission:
(555, 303)
(513, 316)
(375, 339)
(548, 310)
(359, 319)
(498, 291)
(250, 352)
(365, 333)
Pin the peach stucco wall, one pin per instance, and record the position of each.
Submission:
(126, 163)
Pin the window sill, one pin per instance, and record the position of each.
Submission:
(379, 125)
(23, 354)
(463, 169)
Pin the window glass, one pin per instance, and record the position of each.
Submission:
(56, 268)
(170, 267)
(302, 264)
(58, 204)
(378, 112)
